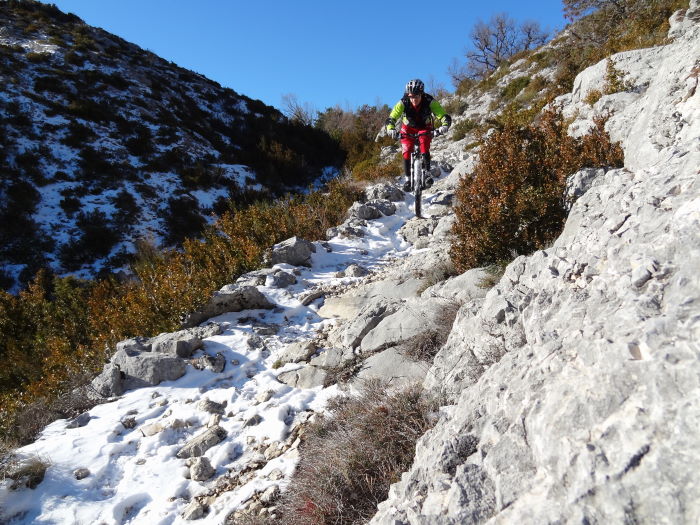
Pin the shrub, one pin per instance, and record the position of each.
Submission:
(70, 205)
(38, 58)
(513, 202)
(460, 129)
(592, 97)
(425, 345)
(354, 454)
(97, 237)
(514, 87)
(615, 79)
(28, 473)
(372, 170)
(53, 353)
(183, 219)
(455, 106)
(78, 135)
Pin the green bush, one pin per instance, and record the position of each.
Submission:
(514, 87)
(462, 128)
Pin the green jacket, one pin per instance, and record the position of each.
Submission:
(429, 113)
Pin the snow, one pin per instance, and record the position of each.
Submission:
(138, 479)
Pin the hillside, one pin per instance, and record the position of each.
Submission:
(103, 143)
(561, 386)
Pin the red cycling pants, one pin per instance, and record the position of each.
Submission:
(407, 143)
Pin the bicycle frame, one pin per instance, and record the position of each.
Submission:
(418, 171)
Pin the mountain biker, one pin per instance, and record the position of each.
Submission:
(419, 110)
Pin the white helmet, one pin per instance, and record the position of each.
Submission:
(415, 87)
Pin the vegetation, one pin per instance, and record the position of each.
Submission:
(57, 332)
(338, 481)
(513, 202)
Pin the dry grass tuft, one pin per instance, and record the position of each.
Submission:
(353, 455)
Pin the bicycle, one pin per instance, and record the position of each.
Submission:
(418, 171)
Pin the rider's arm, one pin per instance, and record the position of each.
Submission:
(443, 119)
(395, 115)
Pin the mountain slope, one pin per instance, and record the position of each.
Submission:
(102, 143)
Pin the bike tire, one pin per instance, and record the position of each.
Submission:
(417, 184)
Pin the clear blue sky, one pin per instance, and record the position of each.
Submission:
(325, 52)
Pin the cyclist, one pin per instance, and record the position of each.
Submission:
(419, 110)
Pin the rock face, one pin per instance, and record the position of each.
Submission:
(576, 382)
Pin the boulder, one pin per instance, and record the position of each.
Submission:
(256, 278)
(384, 191)
(391, 366)
(345, 230)
(216, 364)
(108, 383)
(201, 469)
(81, 473)
(280, 279)
(212, 407)
(139, 344)
(294, 251)
(297, 352)
(195, 511)
(79, 421)
(385, 207)
(350, 334)
(231, 298)
(305, 377)
(364, 212)
(414, 229)
(142, 369)
(180, 344)
(355, 270)
(332, 358)
(461, 288)
(410, 319)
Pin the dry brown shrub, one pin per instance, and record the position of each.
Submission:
(424, 346)
(354, 454)
(514, 200)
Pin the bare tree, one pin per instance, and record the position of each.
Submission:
(435, 87)
(296, 111)
(574, 9)
(499, 39)
(458, 72)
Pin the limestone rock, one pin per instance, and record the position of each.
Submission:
(384, 191)
(297, 352)
(305, 377)
(280, 279)
(294, 251)
(142, 369)
(81, 473)
(201, 443)
(231, 298)
(201, 469)
(194, 511)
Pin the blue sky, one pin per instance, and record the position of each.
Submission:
(324, 52)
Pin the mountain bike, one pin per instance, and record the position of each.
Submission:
(418, 172)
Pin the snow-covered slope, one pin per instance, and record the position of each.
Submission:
(103, 143)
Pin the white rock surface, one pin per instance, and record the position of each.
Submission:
(576, 384)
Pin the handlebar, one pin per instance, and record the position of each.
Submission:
(432, 133)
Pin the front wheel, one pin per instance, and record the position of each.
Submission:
(417, 183)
